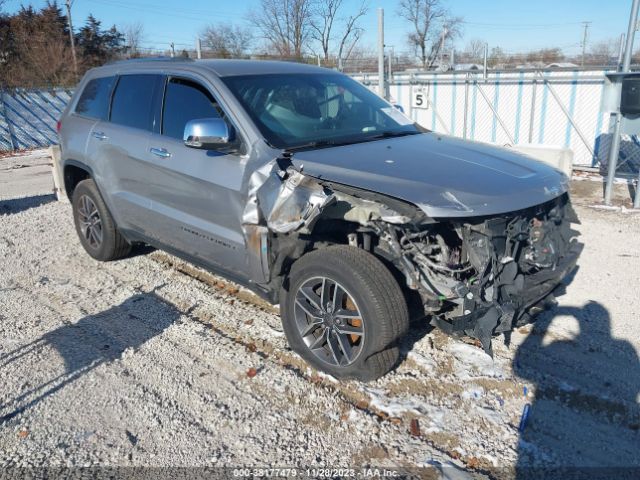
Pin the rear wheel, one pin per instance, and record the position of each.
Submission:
(95, 227)
(344, 313)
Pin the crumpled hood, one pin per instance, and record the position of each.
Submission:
(442, 175)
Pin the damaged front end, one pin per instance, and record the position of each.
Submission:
(477, 276)
(483, 276)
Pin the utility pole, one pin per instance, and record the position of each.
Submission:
(199, 47)
(72, 39)
(444, 36)
(381, 83)
(485, 57)
(584, 41)
(614, 151)
(389, 60)
(173, 49)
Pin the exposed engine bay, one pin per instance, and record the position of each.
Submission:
(478, 276)
(481, 276)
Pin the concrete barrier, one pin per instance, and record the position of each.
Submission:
(560, 158)
(58, 176)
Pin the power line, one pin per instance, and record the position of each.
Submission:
(154, 10)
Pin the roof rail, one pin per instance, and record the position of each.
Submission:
(152, 59)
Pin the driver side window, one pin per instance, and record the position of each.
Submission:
(186, 100)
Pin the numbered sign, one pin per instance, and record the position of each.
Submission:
(420, 99)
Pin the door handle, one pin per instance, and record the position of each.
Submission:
(100, 135)
(160, 152)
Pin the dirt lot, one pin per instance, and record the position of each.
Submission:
(148, 361)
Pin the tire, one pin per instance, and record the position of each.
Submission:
(371, 316)
(95, 226)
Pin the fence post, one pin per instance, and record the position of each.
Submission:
(486, 54)
(532, 115)
(3, 111)
(466, 105)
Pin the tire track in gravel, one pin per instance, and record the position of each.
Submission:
(151, 359)
(266, 350)
(233, 339)
(442, 375)
(352, 396)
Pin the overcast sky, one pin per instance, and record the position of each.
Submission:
(515, 25)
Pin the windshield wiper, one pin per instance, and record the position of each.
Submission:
(324, 144)
(349, 141)
(314, 144)
(391, 134)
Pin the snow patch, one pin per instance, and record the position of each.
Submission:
(428, 363)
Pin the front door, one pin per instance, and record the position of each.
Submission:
(197, 201)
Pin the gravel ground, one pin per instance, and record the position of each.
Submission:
(148, 361)
(26, 174)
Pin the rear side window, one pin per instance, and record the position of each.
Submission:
(186, 100)
(133, 101)
(94, 100)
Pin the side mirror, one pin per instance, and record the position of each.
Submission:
(206, 133)
(399, 107)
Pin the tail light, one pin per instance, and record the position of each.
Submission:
(58, 126)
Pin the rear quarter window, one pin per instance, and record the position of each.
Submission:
(94, 100)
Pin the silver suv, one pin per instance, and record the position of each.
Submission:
(303, 185)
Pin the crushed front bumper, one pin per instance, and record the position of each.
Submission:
(486, 321)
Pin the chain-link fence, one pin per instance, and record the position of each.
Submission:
(28, 117)
(560, 108)
(548, 107)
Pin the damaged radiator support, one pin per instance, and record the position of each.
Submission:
(477, 276)
(483, 276)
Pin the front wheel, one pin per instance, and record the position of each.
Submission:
(344, 313)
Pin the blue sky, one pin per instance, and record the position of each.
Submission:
(515, 25)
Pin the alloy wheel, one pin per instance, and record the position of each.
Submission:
(329, 321)
(90, 221)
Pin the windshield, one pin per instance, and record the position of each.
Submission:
(309, 110)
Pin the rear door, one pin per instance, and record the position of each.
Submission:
(197, 202)
(91, 107)
(120, 148)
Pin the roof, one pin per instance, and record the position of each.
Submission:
(228, 67)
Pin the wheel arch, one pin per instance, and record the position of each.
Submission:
(73, 173)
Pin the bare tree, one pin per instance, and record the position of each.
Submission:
(350, 35)
(134, 37)
(496, 57)
(432, 26)
(227, 41)
(284, 24)
(323, 17)
(474, 49)
(604, 52)
(325, 21)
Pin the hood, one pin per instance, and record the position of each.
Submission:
(444, 176)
